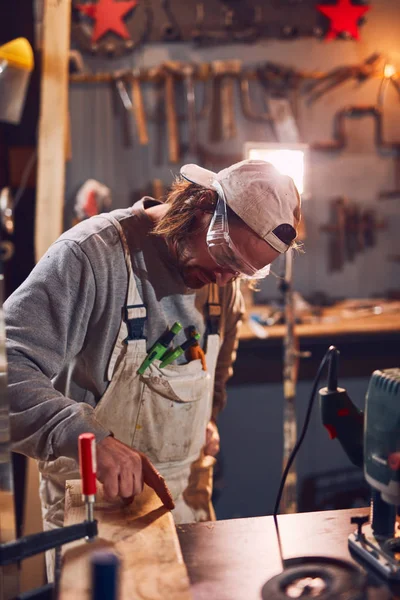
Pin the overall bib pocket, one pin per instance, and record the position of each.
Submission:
(174, 412)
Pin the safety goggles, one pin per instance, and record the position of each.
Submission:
(221, 247)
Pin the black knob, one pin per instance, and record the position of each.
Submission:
(359, 521)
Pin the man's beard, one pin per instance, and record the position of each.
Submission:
(194, 277)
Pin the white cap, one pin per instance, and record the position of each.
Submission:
(261, 196)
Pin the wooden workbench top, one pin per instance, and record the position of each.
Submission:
(366, 333)
(344, 318)
(232, 560)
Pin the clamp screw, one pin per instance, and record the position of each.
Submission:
(359, 521)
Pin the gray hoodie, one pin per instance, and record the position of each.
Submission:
(62, 323)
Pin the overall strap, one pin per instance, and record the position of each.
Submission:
(213, 310)
(134, 312)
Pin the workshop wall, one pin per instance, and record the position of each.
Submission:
(357, 172)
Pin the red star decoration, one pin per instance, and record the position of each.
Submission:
(344, 17)
(108, 16)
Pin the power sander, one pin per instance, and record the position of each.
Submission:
(371, 440)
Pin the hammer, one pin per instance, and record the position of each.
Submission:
(169, 71)
(138, 108)
(223, 126)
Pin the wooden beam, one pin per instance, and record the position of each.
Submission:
(144, 537)
(52, 124)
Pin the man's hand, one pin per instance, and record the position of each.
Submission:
(123, 471)
(211, 447)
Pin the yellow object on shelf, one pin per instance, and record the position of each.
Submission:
(18, 53)
(16, 65)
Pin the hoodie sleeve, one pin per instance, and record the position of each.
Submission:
(46, 322)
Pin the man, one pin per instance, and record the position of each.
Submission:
(81, 325)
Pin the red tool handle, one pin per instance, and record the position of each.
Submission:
(87, 463)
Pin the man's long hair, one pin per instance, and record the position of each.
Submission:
(185, 199)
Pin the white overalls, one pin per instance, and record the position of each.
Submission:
(163, 413)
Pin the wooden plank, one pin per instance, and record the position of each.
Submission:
(144, 537)
(52, 124)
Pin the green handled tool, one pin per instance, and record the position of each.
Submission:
(158, 350)
(175, 353)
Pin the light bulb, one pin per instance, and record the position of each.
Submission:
(389, 71)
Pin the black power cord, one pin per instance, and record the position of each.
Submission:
(296, 448)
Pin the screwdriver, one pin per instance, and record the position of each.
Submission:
(175, 353)
(158, 350)
(88, 468)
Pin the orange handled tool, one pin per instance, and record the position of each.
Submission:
(88, 468)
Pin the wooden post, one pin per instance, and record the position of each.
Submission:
(52, 124)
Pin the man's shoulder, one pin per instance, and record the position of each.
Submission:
(96, 229)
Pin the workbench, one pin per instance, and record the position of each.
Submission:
(367, 340)
(231, 560)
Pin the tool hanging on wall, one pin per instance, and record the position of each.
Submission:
(188, 71)
(340, 137)
(394, 193)
(159, 92)
(138, 109)
(133, 105)
(170, 31)
(284, 122)
(126, 114)
(201, 75)
(158, 189)
(222, 122)
(314, 90)
(353, 230)
(247, 105)
(193, 76)
(279, 84)
(232, 28)
(337, 241)
(171, 114)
